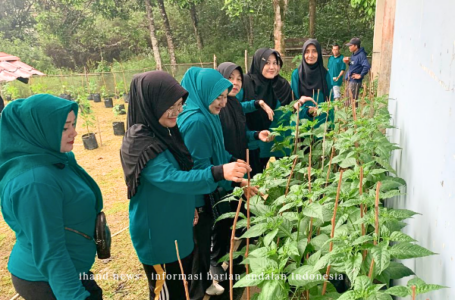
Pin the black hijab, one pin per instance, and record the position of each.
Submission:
(313, 77)
(232, 118)
(282, 88)
(151, 95)
(257, 87)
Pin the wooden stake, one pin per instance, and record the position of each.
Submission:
(332, 234)
(231, 251)
(330, 166)
(214, 62)
(247, 220)
(99, 131)
(361, 207)
(185, 283)
(115, 84)
(376, 225)
(413, 288)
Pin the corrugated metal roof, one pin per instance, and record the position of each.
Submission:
(11, 68)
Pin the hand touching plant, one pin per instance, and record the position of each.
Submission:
(266, 136)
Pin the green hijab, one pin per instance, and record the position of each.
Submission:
(30, 137)
(204, 86)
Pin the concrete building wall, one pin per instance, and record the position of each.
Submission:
(422, 92)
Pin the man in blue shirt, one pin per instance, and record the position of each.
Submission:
(336, 70)
(358, 67)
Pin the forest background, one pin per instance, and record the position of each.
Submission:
(65, 36)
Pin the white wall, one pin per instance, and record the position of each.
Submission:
(423, 109)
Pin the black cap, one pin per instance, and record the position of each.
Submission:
(354, 41)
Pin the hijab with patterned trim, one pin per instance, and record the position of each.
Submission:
(151, 95)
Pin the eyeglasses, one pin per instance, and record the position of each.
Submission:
(173, 111)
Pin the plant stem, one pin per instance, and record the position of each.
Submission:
(376, 225)
(332, 234)
(185, 283)
(362, 207)
(231, 251)
(330, 166)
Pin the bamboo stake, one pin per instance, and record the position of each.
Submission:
(247, 221)
(214, 61)
(115, 84)
(362, 207)
(332, 234)
(231, 251)
(376, 225)
(413, 288)
(99, 131)
(185, 283)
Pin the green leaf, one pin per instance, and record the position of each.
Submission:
(398, 270)
(230, 215)
(401, 214)
(353, 266)
(408, 250)
(377, 171)
(422, 287)
(322, 262)
(272, 290)
(319, 241)
(400, 291)
(399, 236)
(314, 258)
(262, 263)
(350, 295)
(252, 279)
(269, 237)
(302, 245)
(379, 296)
(255, 231)
(361, 240)
(381, 258)
(348, 162)
(362, 283)
(314, 210)
(304, 276)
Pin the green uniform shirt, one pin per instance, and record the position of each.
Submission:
(335, 66)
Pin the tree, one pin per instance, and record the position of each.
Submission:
(168, 32)
(16, 18)
(191, 6)
(278, 8)
(312, 27)
(154, 40)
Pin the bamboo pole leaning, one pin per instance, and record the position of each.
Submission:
(332, 234)
(376, 226)
(247, 221)
(231, 250)
(185, 283)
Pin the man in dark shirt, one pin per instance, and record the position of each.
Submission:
(358, 67)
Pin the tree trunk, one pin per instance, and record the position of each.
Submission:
(193, 14)
(168, 32)
(312, 26)
(156, 49)
(278, 27)
(251, 31)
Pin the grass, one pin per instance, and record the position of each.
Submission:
(103, 164)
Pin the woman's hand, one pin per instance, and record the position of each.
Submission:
(313, 111)
(302, 101)
(196, 217)
(265, 136)
(267, 109)
(235, 171)
(253, 190)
